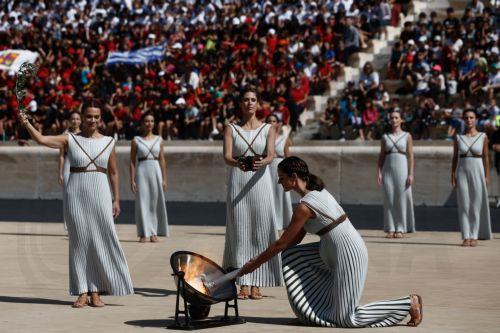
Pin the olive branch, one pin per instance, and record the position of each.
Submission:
(26, 72)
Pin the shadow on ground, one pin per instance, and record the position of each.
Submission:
(153, 292)
(36, 300)
(412, 243)
(163, 323)
(33, 300)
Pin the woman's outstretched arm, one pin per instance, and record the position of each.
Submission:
(292, 235)
(56, 141)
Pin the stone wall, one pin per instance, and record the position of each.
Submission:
(198, 174)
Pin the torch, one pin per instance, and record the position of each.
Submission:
(26, 72)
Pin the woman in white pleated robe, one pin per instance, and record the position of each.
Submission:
(470, 174)
(395, 175)
(148, 181)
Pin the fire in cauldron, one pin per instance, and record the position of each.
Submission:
(201, 283)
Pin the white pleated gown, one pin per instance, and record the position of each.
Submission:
(96, 259)
(283, 202)
(472, 194)
(150, 209)
(250, 216)
(325, 280)
(398, 200)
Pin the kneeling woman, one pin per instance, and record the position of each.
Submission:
(325, 280)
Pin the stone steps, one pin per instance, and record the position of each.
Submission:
(379, 53)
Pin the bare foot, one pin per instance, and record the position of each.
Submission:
(255, 293)
(143, 239)
(95, 300)
(81, 301)
(416, 311)
(154, 239)
(389, 235)
(243, 294)
(466, 243)
(473, 242)
(399, 235)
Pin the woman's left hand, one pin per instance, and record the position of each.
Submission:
(409, 181)
(164, 185)
(257, 164)
(116, 209)
(249, 267)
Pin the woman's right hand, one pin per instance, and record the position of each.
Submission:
(379, 179)
(61, 180)
(133, 187)
(23, 118)
(453, 179)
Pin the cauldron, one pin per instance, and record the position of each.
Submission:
(191, 266)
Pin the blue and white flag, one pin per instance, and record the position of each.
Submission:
(141, 56)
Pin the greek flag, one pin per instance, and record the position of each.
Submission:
(141, 56)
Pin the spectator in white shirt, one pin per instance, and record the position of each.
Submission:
(368, 80)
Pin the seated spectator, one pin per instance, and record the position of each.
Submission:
(456, 123)
(352, 38)
(370, 117)
(329, 119)
(368, 80)
(492, 86)
(424, 118)
(437, 84)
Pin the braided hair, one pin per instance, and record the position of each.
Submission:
(293, 164)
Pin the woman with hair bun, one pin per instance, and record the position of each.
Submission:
(325, 280)
(470, 174)
(148, 181)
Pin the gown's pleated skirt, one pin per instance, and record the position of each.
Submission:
(472, 199)
(150, 209)
(251, 226)
(398, 199)
(325, 281)
(96, 260)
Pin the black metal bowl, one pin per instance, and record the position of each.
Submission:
(225, 292)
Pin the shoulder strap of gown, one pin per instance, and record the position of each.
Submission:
(394, 143)
(92, 160)
(150, 149)
(469, 147)
(253, 140)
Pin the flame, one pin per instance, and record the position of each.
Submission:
(193, 270)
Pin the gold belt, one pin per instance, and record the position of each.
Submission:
(332, 225)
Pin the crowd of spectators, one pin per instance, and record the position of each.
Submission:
(444, 67)
(289, 49)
